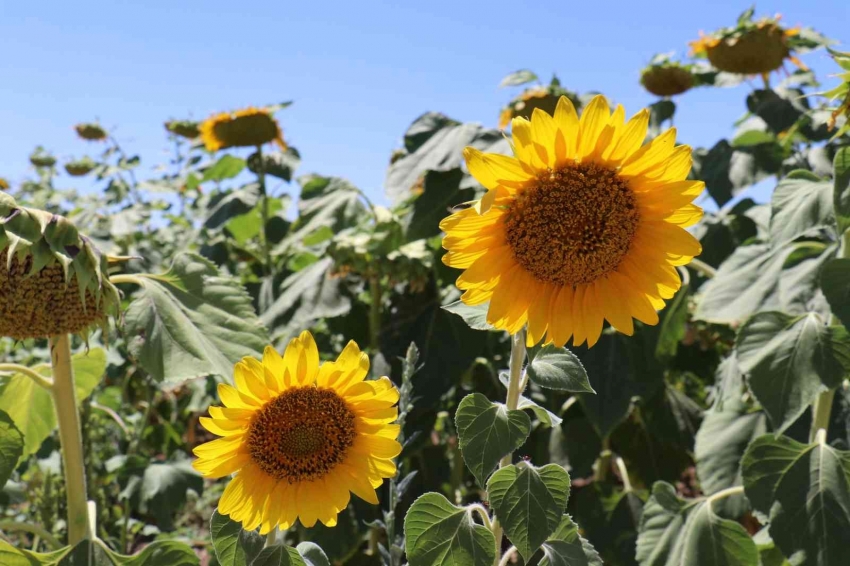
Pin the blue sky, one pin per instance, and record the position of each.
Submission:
(359, 72)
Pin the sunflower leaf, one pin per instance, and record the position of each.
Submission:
(227, 167)
(798, 206)
(835, 283)
(31, 408)
(192, 322)
(529, 502)
(279, 555)
(475, 316)
(233, 545)
(803, 490)
(790, 360)
(558, 368)
(157, 553)
(438, 533)
(12, 556)
(487, 431)
(521, 77)
(11, 447)
(565, 547)
(841, 191)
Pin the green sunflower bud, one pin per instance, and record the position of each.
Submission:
(80, 167)
(53, 280)
(40, 158)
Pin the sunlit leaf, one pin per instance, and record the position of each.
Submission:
(233, 545)
(565, 547)
(11, 447)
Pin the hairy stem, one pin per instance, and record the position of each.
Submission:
(39, 379)
(705, 269)
(514, 391)
(70, 438)
(507, 556)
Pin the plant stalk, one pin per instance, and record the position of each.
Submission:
(39, 379)
(375, 313)
(261, 179)
(514, 391)
(70, 438)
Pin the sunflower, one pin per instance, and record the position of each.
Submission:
(300, 436)
(583, 224)
(91, 132)
(665, 77)
(542, 97)
(249, 127)
(184, 128)
(751, 47)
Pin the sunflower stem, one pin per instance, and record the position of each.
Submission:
(704, 269)
(271, 538)
(39, 379)
(375, 313)
(261, 179)
(515, 384)
(70, 438)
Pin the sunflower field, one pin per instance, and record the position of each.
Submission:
(563, 341)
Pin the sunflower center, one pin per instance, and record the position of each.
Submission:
(574, 225)
(302, 434)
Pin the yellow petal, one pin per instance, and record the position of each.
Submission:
(543, 132)
(579, 323)
(273, 369)
(593, 119)
(593, 315)
(567, 123)
(234, 399)
(493, 170)
(538, 314)
(561, 316)
(649, 155)
(224, 427)
(614, 307)
(631, 138)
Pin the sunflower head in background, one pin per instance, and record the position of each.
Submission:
(53, 280)
(80, 167)
(584, 223)
(41, 158)
(755, 47)
(184, 128)
(300, 436)
(91, 132)
(665, 77)
(543, 97)
(249, 127)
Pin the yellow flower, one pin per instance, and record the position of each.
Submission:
(4, 184)
(249, 127)
(542, 97)
(585, 223)
(300, 436)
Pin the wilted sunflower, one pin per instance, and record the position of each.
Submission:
(751, 47)
(41, 158)
(91, 132)
(249, 127)
(300, 436)
(543, 97)
(583, 224)
(52, 279)
(184, 128)
(80, 167)
(665, 77)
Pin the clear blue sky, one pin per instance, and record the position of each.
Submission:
(359, 72)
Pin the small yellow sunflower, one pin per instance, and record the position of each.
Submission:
(4, 184)
(249, 127)
(585, 223)
(300, 436)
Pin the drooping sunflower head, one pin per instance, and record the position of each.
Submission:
(80, 167)
(543, 97)
(300, 436)
(665, 77)
(184, 128)
(584, 223)
(53, 280)
(41, 158)
(249, 127)
(91, 132)
(841, 94)
(751, 47)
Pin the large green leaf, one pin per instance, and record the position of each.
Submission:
(790, 360)
(486, 432)
(325, 202)
(673, 325)
(801, 203)
(163, 489)
(192, 322)
(225, 206)
(12, 556)
(558, 368)
(436, 143)
(280, 164)
(841, 195)
(726, 431)
(11, 447)
(835, 283)
(804, 489)
(227, 167)
(158, 553)
(31, 407)
(517, 78)
(233, 545)
(279, 555)
(440, 193)
(439, 534)
(312, 554)
(565, 547)
(727, 170)
(759, 277)
(675, 532)
(475, 316)
(529, 502)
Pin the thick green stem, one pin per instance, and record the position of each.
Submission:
(70, 438)
(271, 538)
(375, 313)
(39, 379)
(264, 206)
(514, 391)
(705, 269)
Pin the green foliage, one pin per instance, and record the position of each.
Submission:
(11, 447)
(529, 502)
(802, 489)
(487, 432)
(558, 368)
(233, 545)
(565, 547)
(441, 534)
(192, 322)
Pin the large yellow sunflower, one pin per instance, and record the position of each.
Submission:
(300, 436)
(249, 127)
(585, 223)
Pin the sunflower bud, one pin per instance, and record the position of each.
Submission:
(183, 128)
(80, 167)
(91, 132)
(40, 158)
(250, 127)
(52, 279)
